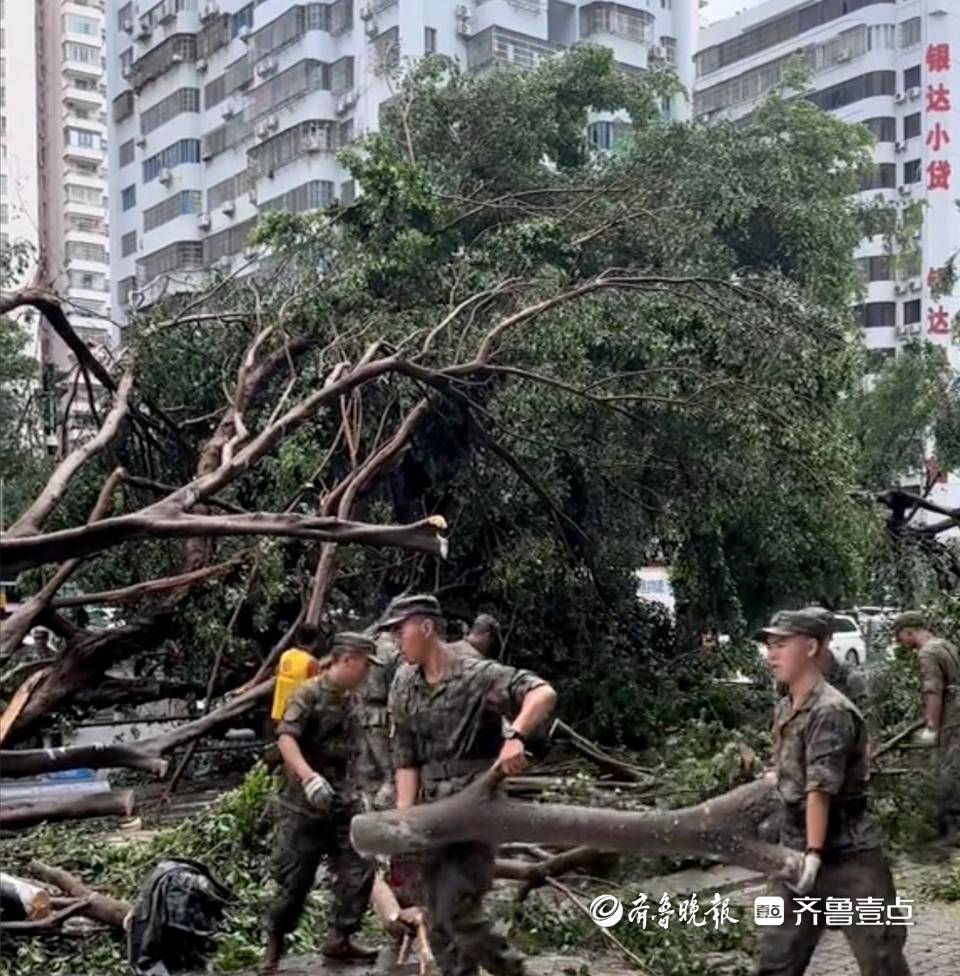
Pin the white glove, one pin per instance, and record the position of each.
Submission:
(927, 737)
(319, 792)
(809, 869)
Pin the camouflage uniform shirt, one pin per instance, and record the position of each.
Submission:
(850, 681)
(465, 648)
(821, 744)
(374, 764)
(940, 675)
(453, 730)
(323, 721)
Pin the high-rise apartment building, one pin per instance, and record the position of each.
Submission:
(223, 109)
(52, 172)
(895, 67)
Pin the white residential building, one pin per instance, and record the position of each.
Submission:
(895, 67)
(222, 109)
(52, 177)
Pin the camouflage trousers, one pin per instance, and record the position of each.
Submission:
(946, 779)
(300, 842)
(456, 877)
(786, 950)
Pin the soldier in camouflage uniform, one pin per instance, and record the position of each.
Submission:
(375, 765)
(483, 639)
(447, 711)
(820, 758)
(940, 686)
(318, 738)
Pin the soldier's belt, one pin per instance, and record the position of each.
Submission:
(454, 768)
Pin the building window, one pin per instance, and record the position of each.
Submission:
(429, 40)
(180, 204)
(883, 129)
(911, 171)
(617, 20)
(80, 251)
(125, 17)
(125, 153)
(128, 244)
(309, 196)
(911, 77)
(341, 76)
(227, 242)
(863, 86)
(242, 18)
(911, 312)
(179, 256)
(302, 77)
(669, 45)
(878, 315)
(81, 25)
(183, 151)
(84, 194)
(910, 33)
(228, 189)
(876, 268)
(881, 37)
(911, 126)
(128, 197)
(606, 135)
(881, 176)
(386, 51)
(182, 100)
(81, 53)
(82, 138)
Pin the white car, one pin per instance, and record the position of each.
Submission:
(847, 643)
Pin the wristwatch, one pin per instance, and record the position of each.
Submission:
(509, 732)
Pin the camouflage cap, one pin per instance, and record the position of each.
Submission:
(416, 605)
(809, 622)
(347, 640)
(908, 619)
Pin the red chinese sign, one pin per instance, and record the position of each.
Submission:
(938, 169)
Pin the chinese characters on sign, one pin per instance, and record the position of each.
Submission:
(938, 170)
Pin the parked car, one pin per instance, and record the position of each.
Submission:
(847, 643)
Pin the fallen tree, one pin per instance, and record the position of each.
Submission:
(723, 827)
(28, 814)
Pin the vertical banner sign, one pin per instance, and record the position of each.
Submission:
(941, 164)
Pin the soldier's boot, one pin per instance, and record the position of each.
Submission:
(341, 947)
(273, 955)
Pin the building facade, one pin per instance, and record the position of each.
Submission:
(223, 109)
(53, 177)
(894, 67)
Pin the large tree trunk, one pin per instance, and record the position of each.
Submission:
(724, 827)
(117, 804)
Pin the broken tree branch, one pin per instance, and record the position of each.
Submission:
(103, 908)
(116, 804)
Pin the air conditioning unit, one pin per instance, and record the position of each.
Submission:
(230, 108)
(209, 11)
(900, 330)
(267, 67)
(462, 15)
(272, 123)
(899, 98)
(167, 16)
(206, 153)
(142, 142)
(655, 53)
(128, 26)
(202, 65)
(126, 71)
(250, 252)
(371, 29)
(176, 57)
(203, 221)
(224, 264)
(905, 190)
(244, 34)
(166, 177)
(346, 102)
(252, 196)
(312, 144)
(134, 297)
(262, 131)
(899, 146)
(914, 328)
(229, 207)
(366, 12)
(144, 33)
(916, 285)
(913, 93)
(844, 54)
(899, 288)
